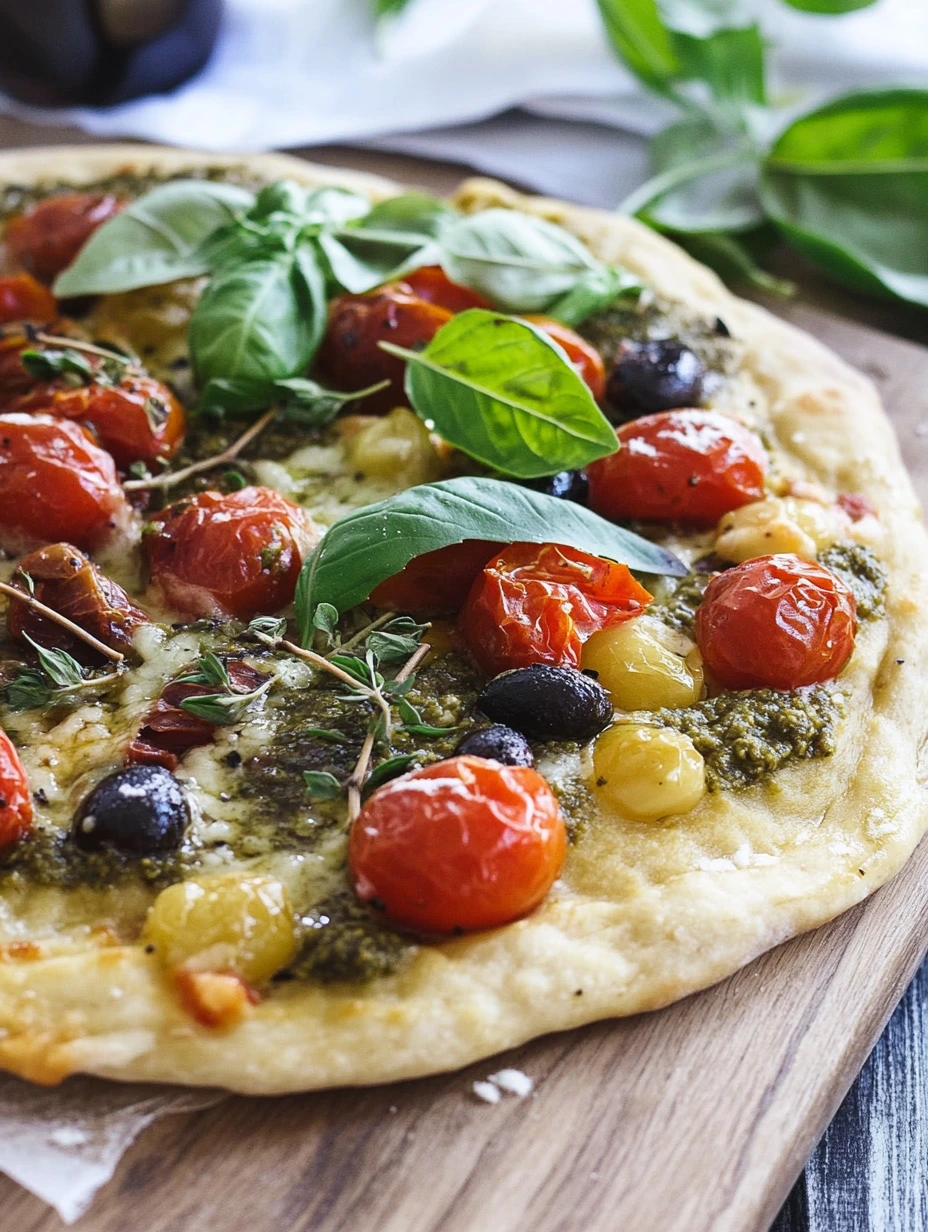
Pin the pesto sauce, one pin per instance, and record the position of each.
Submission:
(747, 736)
(678, 610)
(43, 858)
(343, 941)
(863, 573)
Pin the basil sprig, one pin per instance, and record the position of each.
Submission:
(503, 392)
(369, 546)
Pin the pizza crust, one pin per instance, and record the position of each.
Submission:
(645, 913)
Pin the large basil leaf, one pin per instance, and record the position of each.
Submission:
(300, 399)
(368, 546)
(361, 260)
(848, 185)
(833, 7)
(520, 263)
(500, 390)
(334, 206)
(414, 211)
(260, 318)
(156, 239)
(639, 35)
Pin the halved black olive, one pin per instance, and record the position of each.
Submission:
(565, 485)
(140, 810)
(548, 703)
(498, 743)
(653, 376)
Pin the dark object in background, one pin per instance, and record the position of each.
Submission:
(653, 376)
(565, 485)
(99, 52)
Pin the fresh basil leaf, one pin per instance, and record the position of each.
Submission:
(320, 785)
(51, 364)
(257, 319)
(637, 31)
(521, 263)
(300, 399)
(154, 240)
(331, 735)
(847, 184)
(729, 60)
(391, 648)
(733, 261)
(360, 260)
(281, 197)
(503, 392)
(370, 545)
(595, 291)
(60, 668)
(389, 8)
(28, 690)
(334, 206)
(831, 7)
(415, 212)
(392, 768)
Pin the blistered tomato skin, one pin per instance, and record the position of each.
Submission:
(437, 581)
(466, 843)
(679, 466)
(538, 603)
(24, 298)
(55, 484)
(235, 554)
(584, 357)
(15, 798)
(349, 355)
(138, 420)
(432, 284)
(65, 580)
(48, 236)
(776, 622)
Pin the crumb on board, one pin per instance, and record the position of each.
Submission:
(505, 1082)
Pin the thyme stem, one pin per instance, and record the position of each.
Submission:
(229, 454)
(30, 601)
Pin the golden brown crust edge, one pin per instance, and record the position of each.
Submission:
(111, 1012)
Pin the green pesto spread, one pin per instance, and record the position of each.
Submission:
(747, 736)
(46, 858)
(678, 610)
(863, 573)
(343, 941)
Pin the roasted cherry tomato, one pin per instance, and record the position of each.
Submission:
(15, 800)
(538, 603)
(436, 581)
(679, 466)
(584, 357)
(23, 298)
(432, 284)
(169, 731)
(55, 484)
(776, 622)
(138, 420)
(349, 355)
(236, 554)
(463, 844)
(49, 235)
(14, 379)
(65, 580)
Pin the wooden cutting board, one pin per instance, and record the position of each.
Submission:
(695, 1118)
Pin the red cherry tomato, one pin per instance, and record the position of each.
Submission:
(49, 235)
(65, 580)
(539, 603)
(466, 843)
(55, 483)
(436, 581)
(432, 284)
(776, 622)
(22, 298)
(584, 357)
(349, 355)
(15, 800)
(237, 554)
(138, 420)
(679, 466)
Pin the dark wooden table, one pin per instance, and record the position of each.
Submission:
(869, 1169)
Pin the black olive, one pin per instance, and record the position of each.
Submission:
(498, 743)
(653, 376)
(548, 703)
(140, 810)
(565, 485)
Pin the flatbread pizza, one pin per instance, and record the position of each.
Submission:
(427, 624)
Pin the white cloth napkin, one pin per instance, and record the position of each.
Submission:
(302, 72)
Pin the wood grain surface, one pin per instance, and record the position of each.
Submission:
(695, 1118)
